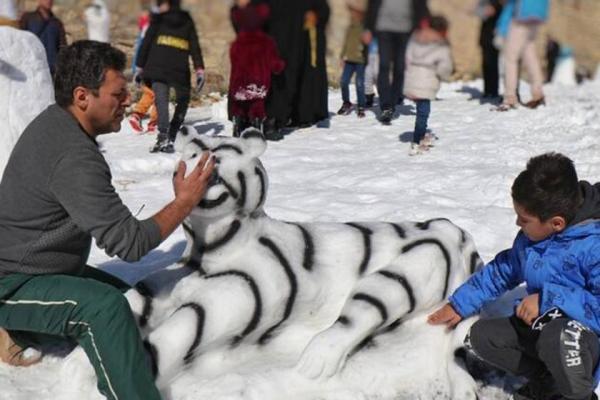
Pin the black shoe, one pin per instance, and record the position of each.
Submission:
(345, 109)
(370, 100)
(257, 123)
(157, 146)
(360, 112)
(542, 387)
(274, 135)
(386, 116)
(167, 147)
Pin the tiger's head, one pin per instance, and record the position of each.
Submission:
(239, 182)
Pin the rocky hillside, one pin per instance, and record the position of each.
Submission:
(573, 22)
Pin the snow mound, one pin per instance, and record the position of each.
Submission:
(25, 85)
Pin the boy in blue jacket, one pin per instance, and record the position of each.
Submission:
(551, 338)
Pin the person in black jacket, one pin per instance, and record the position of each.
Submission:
(47, 27)
(489, 11)
(392, 22)
(164, 60)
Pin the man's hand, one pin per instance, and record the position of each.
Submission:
(189, 190)
(529, 309)
(445, 316)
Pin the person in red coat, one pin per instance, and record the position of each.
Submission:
(254, 58)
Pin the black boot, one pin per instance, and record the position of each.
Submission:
(370, 100)
(271, 130)
(257, 123)
(239, 124)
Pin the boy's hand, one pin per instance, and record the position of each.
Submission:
(529, 309)
(445, 315)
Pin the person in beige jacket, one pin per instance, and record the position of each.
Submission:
(428, 61)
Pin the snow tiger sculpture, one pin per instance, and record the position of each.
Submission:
(249, 278)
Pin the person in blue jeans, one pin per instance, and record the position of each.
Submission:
(428, 61)
(552, 337)
(354, 55)
(392, 22)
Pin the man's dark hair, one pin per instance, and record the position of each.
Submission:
(84, 63)
(548, 187)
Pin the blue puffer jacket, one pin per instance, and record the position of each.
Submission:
(563, 268)
(523, 11)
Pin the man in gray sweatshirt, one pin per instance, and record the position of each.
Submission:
(392, 22)
(56, 194)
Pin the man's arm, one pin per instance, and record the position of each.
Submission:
(188, 193)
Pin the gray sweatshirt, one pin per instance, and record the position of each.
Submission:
(56, 193)
(395, 16)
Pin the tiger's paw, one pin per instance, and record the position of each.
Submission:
(324, 356)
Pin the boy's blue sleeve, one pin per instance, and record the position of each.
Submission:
(579, 303)
(500, 275)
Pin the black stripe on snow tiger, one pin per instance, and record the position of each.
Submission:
(253, 276)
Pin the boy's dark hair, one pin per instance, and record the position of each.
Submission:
(172, 3)
(438, 24)
(548, 187)
(84, 63)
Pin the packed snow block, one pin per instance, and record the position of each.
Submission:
(25, 85)
(97, 18)
(564, 72)
(8, 9)
(270, 309)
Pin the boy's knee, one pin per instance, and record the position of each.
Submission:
(476, 338)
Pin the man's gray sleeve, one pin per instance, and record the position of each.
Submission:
(82, 184)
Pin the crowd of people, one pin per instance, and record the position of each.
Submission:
(57, 192)
(278, 78)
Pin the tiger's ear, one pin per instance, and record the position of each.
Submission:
(254, 142)
(184, 136)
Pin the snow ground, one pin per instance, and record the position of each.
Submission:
(354, 170)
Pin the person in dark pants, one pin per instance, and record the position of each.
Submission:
(298, 96)
(47, 27)
(354, 55)
(552, 338)
(392, 22)
(57, 194)
(489, 12)
(254, 59)
(163, 60)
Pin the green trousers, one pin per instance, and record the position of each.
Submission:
(89, 309)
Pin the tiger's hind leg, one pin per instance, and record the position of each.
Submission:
(414, 281)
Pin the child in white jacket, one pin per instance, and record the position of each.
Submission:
(428, 61)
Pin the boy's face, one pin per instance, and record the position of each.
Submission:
(535, 229)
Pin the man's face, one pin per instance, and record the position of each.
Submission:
(531, 225)
(106, 110)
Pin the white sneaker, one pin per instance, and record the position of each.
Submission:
(428, 140)
(415, 149)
